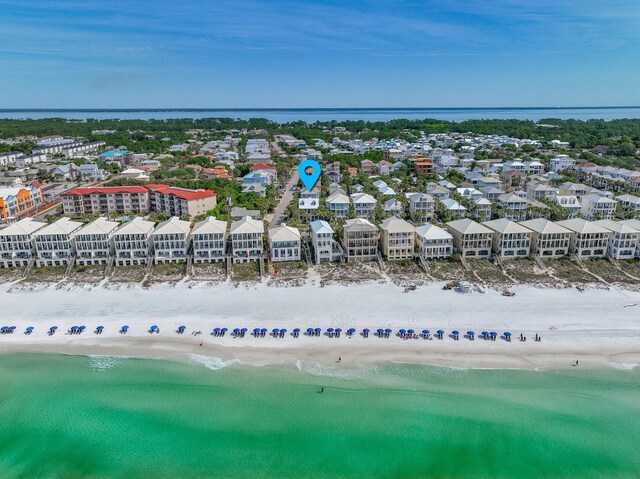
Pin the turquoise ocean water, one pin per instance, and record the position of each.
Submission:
(68, 417)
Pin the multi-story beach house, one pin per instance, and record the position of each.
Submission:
(481, 209)
(18, 202)
(247, 240)
(437, 192)
(209, 240)
(587, 239)
(171, 241)
(623, 241)
(397, 239)
(561, 162)
(54, 243)
(284, 243)
(598, 207)
(338, 204)
(635, 224)
(363, 204)
(548, 239)
(472, 240)
(433, 242)
(510, 240)
(421, 205)
(360, 240)
(516, 206)
(132, 242)
(630, 204)
(16, 242)
(93, 242)
(325, 247)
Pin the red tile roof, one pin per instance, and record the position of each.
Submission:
(107, 190)
(164, 189)
(261, 166)
(180, 192)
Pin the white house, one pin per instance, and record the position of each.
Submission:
(635, 224)
(247, 240)
(132, 242)
(623, 241)
(630, 204)
(360, 240)
(284, 243)
(16, 242)
(209, 240)
(596, 207)
(338, 204)
(561, 162)
(94, 243)
(433, 242)
(363, 204)
(54, 242)
(171, 241)
(324, 244)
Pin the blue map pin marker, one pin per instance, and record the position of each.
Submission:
(309, 179)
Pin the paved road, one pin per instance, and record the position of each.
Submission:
(275, 218)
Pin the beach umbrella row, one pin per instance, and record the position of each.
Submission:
(7, 329)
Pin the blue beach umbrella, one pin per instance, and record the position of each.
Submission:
(296, 330)
(244, 330)
(402, 331)
(224, 330)
(425, 331)
(182, 328)
(30, 328)
(329, 330)
(388, 330)
(338, 330)
(154, 327)
(470, 333)
(440, 331)
(485, 334)
(275, 330)
(507, 334)
(365, 330)
(283, 331)
(309, 330)
(455, 332)
(263, 330)
(100, 328)
(493, 333)
(410, 331)
(82, 328)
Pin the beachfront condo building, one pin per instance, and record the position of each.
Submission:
(548, 239)
(93, 242)
(587, 239)
(338, 204)
(137, 199)
(54, 243)
(132, 242)
(325, 247)
(397, 239)
(106, 200)
(180, 201)
(363, 204)
(360, 240)
(623, 241)
(171, 241)
(516, 207)
(284, 243)
(510, 240)
(209, 240)
(247, 240)
(597, 207)
(433, 242)
(472, 240)
(16, 242)
(18, 202)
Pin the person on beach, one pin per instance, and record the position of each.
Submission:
(321, 389)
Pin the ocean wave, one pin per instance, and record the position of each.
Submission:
(315, 369)
(624, 366)
(103, 363)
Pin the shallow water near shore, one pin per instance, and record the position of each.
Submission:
(105, 417)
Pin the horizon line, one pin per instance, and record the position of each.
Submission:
(6, 110)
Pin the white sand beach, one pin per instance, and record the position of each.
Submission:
(598, 327)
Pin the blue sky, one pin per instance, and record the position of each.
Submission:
(318, 53)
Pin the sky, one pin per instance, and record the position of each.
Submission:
(318, 53)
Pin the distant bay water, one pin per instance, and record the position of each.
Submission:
(285, 115)
(106, 417)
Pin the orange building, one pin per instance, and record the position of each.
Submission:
(421, 164)
(19, 202)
